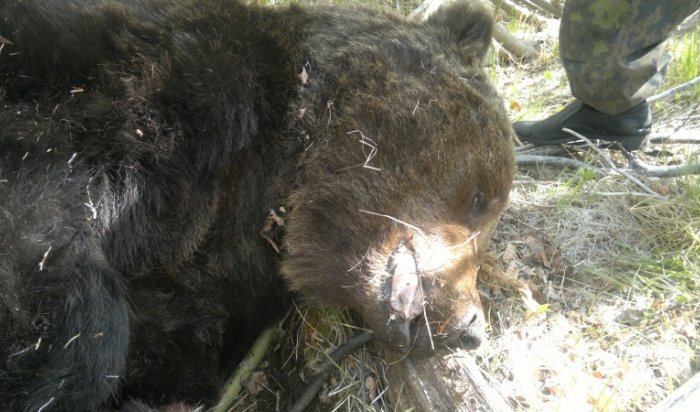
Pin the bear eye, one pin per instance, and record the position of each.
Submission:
(478, 202)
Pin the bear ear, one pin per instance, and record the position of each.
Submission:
(470, 23)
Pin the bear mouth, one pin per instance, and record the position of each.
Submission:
(412, 326)
(414, 338)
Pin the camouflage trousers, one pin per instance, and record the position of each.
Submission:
(612, 50)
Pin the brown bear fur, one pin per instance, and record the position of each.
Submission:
(144, 144)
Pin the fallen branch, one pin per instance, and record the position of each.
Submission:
(688, 24)
(552, 7)
(521, 48)
(640, 167)
(559, 161)
(674, 90)
(245, 368)
(513, 10)
(539, 6)
(612, 164)
(688, 136)
(636, 166)
(683, 398)
(450, 382)
(326, 368)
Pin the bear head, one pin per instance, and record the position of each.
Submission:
(408, 163)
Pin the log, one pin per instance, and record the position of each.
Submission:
(515, 11)
(448, 382)
(521, 48)
(551, 7)
(685, 398)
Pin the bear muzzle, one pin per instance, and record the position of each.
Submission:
(451, 308)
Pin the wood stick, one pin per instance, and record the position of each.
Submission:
(245, 368)
(683, 398)
(520, 48)
(674, 90)
(559, 161)
(512, 9)
(544, 5)
(449, 382)
(326, 368)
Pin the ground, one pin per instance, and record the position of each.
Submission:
(594, 303)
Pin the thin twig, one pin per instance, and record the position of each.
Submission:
(513, 10)
(558, 161)
(245, 368)
(684, 136)
(674, 90)
(525, 147)
(427, 326)
(641, 167)
(326, 368)
(636, 166)
(612, 165)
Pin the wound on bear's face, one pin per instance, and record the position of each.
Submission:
(408, 165)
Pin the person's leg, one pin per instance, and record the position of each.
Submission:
(612, 49)
(613, 55)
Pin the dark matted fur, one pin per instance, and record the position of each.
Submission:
(143, 143)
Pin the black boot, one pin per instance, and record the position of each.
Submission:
(628, 128)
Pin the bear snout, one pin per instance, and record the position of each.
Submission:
(430, 297)
(413, 336)
(415, 299)
(472, 328)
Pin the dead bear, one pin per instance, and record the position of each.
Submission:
(144, 146)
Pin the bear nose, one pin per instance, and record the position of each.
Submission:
(472, 327)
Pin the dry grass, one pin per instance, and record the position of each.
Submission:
(616, 271)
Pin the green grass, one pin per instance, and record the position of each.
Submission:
(685, 64)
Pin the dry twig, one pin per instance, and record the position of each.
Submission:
(514, 10)
(514, 45)
(326, 368)
(612, 164)
(245, 368)
(551, 7)
(674, 90)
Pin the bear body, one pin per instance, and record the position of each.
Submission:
(170, 170)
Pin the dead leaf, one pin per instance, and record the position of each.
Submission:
(511, 253)
(538, 251)
(687, 329)
(512, 270)
(526, 295)
(256, 383)
(631, 317)
(371, 388)
(272, 219)
(276, 218)
(303, 76)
